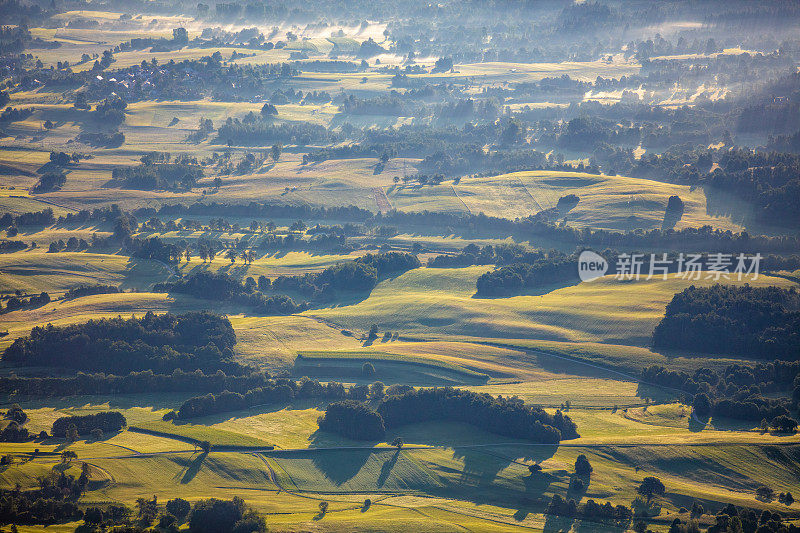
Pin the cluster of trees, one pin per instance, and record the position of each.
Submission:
(359, 275)
(135, 382)
(89, 290)
(770, 180)
(504, 416)
(16, 302)
(107, 421)
(233, 401)
(513, 278)
(738, 391)
(50, 181)
(279, 391)
(39, 218)
(53, 502)
(7, 246)
(508, 417)
(158, 175)
(221, 286)
(352, 419)
(758, 322)
(260, 132)
(502, 254)
(157, 342)
(618, 515)
(427, 221)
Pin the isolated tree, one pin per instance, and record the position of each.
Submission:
(397, 442)
(535, 467)
(765, 493)
(650, 487)
(582, 466)
(231, 254)
(275, 152)
(323, 507)
(67, 456)
(179, 508)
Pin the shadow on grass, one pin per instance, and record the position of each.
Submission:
(193, 468)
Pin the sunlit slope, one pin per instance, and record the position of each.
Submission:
(435, 303)
(608, 202)
(39, 271)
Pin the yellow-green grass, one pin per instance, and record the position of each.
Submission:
(201, 432)
(628, 359)
(439, 304)
(503, 364)
(608, 202)
(37, 271)
(579, 391)
(273, 342)
(351, 361)
(271, 265)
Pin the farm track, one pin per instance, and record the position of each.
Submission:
(384, 206)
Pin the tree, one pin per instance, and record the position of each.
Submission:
(213, 516)
(784, 424)
(180, 36)
(788, 499)
(67, 456)
(765, 493)
(582, 466)
(535, 467)
(377, 390)
(96, 434)
(275, 152)
(179, 508)
(650, 487)
(72, 433)
(397, 442)
(701, 406)
(323, 507)
(373, 332)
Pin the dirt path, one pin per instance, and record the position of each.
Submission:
(384, 205)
